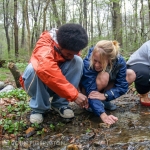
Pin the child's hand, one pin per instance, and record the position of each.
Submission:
(96, 95)
(81, 100)
(86, 106)
(109, 119)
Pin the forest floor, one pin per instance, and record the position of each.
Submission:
(84, 132)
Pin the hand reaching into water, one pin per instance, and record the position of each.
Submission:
(109, 119)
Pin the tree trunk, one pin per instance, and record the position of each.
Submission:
(63, 11)
(80, 13)
(6, 23)
(28, 26)
(16, 29)
(85, 14)
(92, 22)
(99, 22)
(142, 19)
(23, 25)
(15, 72)
(125, 25)
(136, 22)
(56, 14)
(44, 14)
(117, 22)
(35, 16)
(149, 10)
(73, 13)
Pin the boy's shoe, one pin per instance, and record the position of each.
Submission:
(65, 112)
(36, 118)
(109, 105)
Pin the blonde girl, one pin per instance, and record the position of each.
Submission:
(104, 78)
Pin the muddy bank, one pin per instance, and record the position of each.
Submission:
(87, 132)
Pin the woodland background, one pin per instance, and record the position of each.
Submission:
(22, 21)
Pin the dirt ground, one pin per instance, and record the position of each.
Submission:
(87, 132)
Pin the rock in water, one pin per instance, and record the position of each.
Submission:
(1, 85)
(8, 88)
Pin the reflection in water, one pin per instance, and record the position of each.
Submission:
(132, 126)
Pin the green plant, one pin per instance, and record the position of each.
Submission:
(11, 126)
(35, 125)
(60, 124)
(40, 132)
(21, 66)
(88, 130)
(56, 127)
(52, 127)
(16, 93)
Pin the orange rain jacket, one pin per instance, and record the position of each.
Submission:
(45, 61)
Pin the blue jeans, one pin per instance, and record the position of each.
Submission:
(40, 93)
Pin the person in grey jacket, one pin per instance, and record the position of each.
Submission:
(138, 71)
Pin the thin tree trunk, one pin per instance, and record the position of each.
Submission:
(125, 25)
(98, 20)
(34, 36)
(28, 26)
(6, 23)
(44, 14)
(23, 25)
(56, 14)
(92, 22)
(73, 13)
(16, 29)
(142, 19)
(107, 19)
(15, 72)
(117, 22)
(85, 14)
(136, 22)
(80, 14)
(149, 10)
(63, 11)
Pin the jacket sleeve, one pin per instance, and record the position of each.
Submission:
(51, 75)
(88, 81)
(121, 85)
(47, 69)
(97, 106)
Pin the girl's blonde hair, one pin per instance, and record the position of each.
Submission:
(108, 51)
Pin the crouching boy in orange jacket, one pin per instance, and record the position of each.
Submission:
(55, 69)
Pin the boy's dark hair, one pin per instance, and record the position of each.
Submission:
(72, 37)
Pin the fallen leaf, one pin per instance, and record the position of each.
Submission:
(72, 147)
(2, 102)
(7, 100)
(133, 89)
(145, 113)
(12, 136)
(45, 130)
(30, 131)
(104, 125)
(57, 136)
(133, 109)
(6, 136)
(13, 101)
(72, 140)
(12, 116)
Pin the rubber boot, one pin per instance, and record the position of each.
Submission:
(145, 99)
